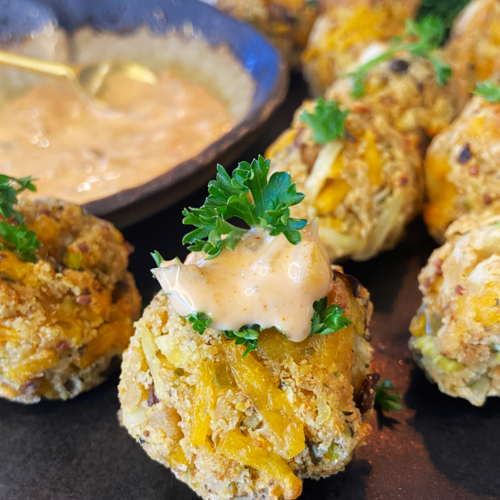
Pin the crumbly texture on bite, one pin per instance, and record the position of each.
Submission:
(462, 172)
(364, 189)
(344, 30)
(474, 47)
(286, 22)
(456, 332)
(248, 428)
(66, 317)
(405, 92)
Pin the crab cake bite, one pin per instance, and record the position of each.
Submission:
(413, 92)
(362, 178)
(474, 45)
(252, 371)
(456, 332)
(66, 307)
(344, 30)
(286, 23)
(462, 167)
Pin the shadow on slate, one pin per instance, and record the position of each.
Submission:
(457, 435)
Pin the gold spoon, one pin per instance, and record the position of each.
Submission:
(87, 80)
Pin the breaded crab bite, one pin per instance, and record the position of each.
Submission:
(462, 167)
(361, 177)
(456, 332)
(474, 44)
(67, 302)
(286, 23)
(344, 30)
(407, 82)
(250, 371)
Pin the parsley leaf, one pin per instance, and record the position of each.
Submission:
(19, 240)
(446, 10)
(488, 91)
(327, 121)
(249, 196)
(200, 322)
(329, 319)
(16, 238)
(423, 38)
(247, 335)
(157, 257)
(384, 401)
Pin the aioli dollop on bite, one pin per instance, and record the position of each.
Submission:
(252, 371)
(456, 332)
(265, 280)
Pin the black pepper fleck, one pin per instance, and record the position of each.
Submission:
(465, 155)
(399, 66)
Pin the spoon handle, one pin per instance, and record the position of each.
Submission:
(37, 66)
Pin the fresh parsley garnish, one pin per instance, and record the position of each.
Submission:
(200, 322)
(488, 91)
(14, 232)
(247, 335)
(384, 400)
(247, 195)
(325, 320)
(157, 257)
(329, 319)
(327, 121)
(422, 39)
(446, 10)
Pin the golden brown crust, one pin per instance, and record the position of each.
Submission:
(316, 377)
(61, 327)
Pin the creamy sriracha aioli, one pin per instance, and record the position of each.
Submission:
(265, 280)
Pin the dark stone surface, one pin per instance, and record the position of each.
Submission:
(436, 448)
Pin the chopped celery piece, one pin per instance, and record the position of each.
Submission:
(428, 348)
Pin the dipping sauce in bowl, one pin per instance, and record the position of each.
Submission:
(83, 153)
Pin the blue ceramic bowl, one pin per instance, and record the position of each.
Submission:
(19, 18)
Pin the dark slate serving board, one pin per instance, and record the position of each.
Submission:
(436, 448)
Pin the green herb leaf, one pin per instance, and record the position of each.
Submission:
(247, 195)
(329, 319)
(445, 10)
(19, 240)
(157, 257)
(247, 335)
(16, 238)
(488, 91)
(327, 121)
(422, 39)
(200, 322)
(384, 400)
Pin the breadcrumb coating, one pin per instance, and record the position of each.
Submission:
(253, 427)
(456, 332)
(364, 189)
(462, 167)
(64, 318)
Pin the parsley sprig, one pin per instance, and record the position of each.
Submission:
(13, 231)
(327, 121)
(325, 320)
(488, 91)
(422, 39)
(384, 400)
(329, 319)
(248, 195)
